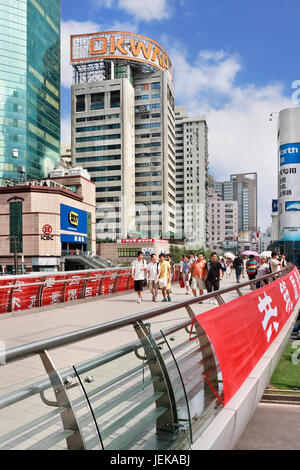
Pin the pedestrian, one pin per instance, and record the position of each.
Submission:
(263, 270)
(222, 263)
(198, 273)
(214, 275)
(153, 271)
(164, 278)
(192, 258)
(185, 273)
(228, 264)
(238, 265)
(172, 267)
(275, 263)
(139, 269)
(181, 269)
(251, 267)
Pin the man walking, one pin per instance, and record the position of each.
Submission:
(238, 266)
(164, 278)
(198, 271)
(139, 268)
(214, 275)
(153, 270)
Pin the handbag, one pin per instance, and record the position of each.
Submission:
(181, 282)
(162, 283)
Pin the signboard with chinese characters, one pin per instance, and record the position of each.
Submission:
(247, 326)
(289, 192)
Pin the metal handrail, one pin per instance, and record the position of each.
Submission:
(37, 347)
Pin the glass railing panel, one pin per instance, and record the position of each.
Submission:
(128, 398)
(31, 418)
(200, 374)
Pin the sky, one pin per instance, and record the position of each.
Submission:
(235, 62)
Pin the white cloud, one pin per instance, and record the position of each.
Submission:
(146, 11)
(71, 27)
(140, 10)
(241, 137)
(67, 29)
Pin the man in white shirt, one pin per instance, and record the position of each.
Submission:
(153, 270)
(139, 269)
(275, 264)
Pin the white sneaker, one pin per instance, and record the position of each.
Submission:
(139, 301)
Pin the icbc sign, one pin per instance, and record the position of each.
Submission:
(47, 230)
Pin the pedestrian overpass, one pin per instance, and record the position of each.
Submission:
(192, 381)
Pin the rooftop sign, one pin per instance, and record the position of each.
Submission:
(119, 45)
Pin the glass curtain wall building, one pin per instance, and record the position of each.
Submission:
(29, 88)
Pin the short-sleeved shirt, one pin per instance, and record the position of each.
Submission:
(139, 274)
(165, 270)
(263, 270)
(198, 268)
(186, 266)
(153, 270)
(214, 270)
(252, 266)
(275, 265)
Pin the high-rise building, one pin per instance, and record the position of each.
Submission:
(242, 188)
(29, 88)
(123, 131)
(191, 176)
(288, 141)
(222, 217)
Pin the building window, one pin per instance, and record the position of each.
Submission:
(97, 101)
(15, 227)
(115, 99)
(80, 103)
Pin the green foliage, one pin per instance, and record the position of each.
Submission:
(177, 252)
(287, 374)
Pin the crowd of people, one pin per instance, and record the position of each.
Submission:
(197, 274)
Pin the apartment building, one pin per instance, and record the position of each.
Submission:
(191, 177)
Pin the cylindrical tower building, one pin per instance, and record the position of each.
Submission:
(289, 183)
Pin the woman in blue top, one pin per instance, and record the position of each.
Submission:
(185, 274)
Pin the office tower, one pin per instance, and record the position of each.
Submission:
(242, 188)
(222, 219)
(29, 88)
(191, 177)
(123, 131)
(288, 142)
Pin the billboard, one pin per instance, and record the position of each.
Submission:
(274, 205)
(73, 220)
(289, 191)
(119, 45)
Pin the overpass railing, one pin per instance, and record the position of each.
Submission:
(159, 392)
(31, 291)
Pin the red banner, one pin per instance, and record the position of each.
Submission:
(243, 329)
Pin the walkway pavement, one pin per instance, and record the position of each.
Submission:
(28, 326)
(272, 427)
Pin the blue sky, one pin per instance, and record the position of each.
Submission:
(234, 62)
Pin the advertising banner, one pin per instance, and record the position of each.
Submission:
(121, 46)
(72, 219)
(242, 330)
(289, 192)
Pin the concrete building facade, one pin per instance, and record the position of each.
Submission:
(42, 219)
(242, 188)
(191, 177)
(123, 132)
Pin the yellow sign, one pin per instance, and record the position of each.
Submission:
(73, 218)
(119, 45)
